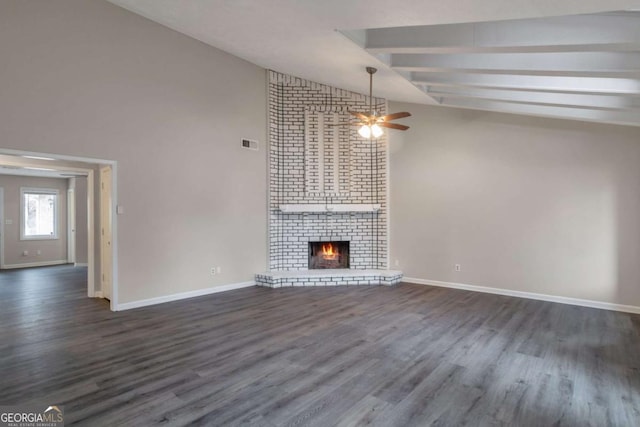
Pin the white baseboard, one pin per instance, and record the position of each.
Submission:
(183, 295)
(529, 295)
(35, 264)
(97, 294)
(81, 264)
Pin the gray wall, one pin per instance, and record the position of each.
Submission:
(525, 204)
(52, 250)
(87, 78)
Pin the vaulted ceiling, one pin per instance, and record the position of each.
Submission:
(583, 67)
(516, 56)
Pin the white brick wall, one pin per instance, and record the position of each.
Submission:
(295, 177)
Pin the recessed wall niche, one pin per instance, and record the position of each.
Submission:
(326, 152)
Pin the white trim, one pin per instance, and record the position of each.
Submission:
(91, 231)
(81, 264)
(71, 224)
(105, 233)
(114, 236)
(97, 294)
(184, 295)
(529, 295)
(36, 264)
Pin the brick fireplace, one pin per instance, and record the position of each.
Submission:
(326, 183)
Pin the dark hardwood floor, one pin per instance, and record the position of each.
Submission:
(401, 356)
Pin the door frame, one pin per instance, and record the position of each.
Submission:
(88, 166)
(71, 225)
(106, 223)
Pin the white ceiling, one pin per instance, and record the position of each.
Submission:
(39, 172)
(44, 167)
(300, 37)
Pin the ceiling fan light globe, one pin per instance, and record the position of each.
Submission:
(376, 131)
(365, 131)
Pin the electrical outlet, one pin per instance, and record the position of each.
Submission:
(214, 271)
(38, 252)
(25, 253)
(458, 267)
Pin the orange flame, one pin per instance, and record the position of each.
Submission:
(328, 251)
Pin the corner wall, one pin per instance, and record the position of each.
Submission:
(524, 204)
(87, 78)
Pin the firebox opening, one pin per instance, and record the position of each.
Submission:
(328, 255)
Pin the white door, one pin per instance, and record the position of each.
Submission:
(106, 254)
(71, 226)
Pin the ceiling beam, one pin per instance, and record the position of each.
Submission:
(585, 64)
(631, 117)
(611, 86)
(609, 47)
(546, 98)
(610, 32)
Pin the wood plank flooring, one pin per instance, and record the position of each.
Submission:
(410, 355)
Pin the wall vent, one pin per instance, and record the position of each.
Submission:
(251, 144)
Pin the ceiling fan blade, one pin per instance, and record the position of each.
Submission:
(359, 115)
(393, 126)
(394, 116)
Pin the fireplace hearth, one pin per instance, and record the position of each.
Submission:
(324, 255)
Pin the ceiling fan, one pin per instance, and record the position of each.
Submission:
(371, 124)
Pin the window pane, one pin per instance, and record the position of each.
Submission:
(39, 214)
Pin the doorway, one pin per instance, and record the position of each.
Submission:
(88, 167)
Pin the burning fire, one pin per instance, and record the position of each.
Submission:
(328, 251)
